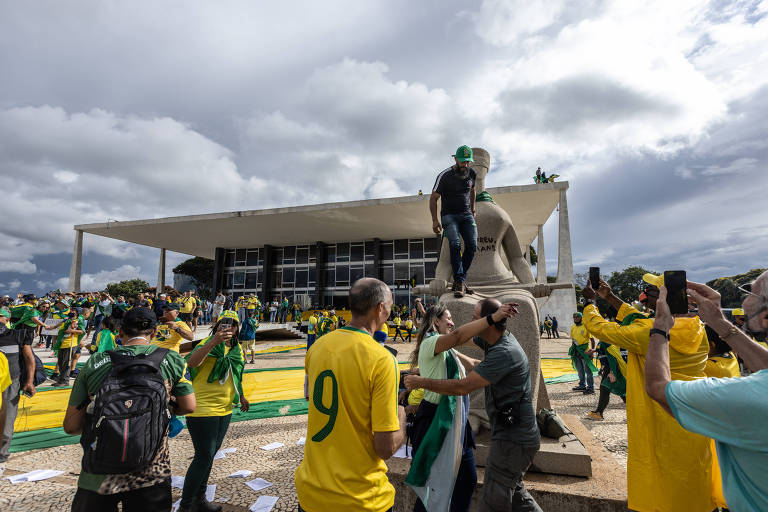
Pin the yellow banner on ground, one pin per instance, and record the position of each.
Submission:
(46, 409)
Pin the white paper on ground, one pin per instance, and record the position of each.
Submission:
(301, 440)
(222, 454)
(243, 473)
(210, 492)
(34, 476)
(264, 504)
(258, 484)
(177, 482)
(272, 446)
(401, 453)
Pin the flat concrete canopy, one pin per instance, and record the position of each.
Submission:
(399, 217)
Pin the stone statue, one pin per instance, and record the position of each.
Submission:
(498, 270)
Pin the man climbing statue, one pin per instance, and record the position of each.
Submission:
(455, 186)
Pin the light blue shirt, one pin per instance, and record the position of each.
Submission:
(734, 412)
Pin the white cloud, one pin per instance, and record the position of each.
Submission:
(22, 267)
(65, 177)
(101, 279)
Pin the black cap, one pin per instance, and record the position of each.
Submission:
(139, 319)
(170, 305)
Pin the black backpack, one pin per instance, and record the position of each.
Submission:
(130, 416)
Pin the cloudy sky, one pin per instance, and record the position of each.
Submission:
(656, 113)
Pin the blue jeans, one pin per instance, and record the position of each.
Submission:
(460, 226)
(582, 368)
(97, 321)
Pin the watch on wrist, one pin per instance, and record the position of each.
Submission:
(659, 331)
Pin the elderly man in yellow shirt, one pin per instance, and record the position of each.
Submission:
(172, 331)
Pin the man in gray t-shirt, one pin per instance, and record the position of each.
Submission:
(505, 375)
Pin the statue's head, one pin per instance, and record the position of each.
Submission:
(481, 165)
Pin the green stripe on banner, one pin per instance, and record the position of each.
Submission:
(49, 437)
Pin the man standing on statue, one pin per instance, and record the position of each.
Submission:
(455, 186)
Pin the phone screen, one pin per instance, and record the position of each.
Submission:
(226, 322)
(594, 277)
(677, 299)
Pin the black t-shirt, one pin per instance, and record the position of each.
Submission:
(11, 342)
(454, 190)
(506, 367)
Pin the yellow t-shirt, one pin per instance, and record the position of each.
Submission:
(187, 305)
(5, 376)
(408, 324)
(69, 341)
(312, 325)
(253, 303)
(397, 321)
(167, 338)
(353, 384)
(579, 334)
(213, 398)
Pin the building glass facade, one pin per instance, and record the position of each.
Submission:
(293, 271)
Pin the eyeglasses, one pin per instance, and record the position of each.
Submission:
(747, 288)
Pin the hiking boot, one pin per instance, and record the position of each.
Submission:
(468, 290)
(458, 289)
(589, 391)
(203, 505)
(594, 415)
(579, 388)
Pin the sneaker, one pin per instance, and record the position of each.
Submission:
(580, 388)
(54, 376)
(594, 415)
(458, 289)
(589, 391)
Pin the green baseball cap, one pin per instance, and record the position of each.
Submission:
(464, 154)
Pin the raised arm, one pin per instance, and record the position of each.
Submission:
(467, 331)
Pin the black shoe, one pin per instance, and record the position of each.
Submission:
(458, 289)
(580, 388)
(468, 290)
(203, 505)
(589, 391)
(59, 384)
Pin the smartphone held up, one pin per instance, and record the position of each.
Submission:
(677, 297)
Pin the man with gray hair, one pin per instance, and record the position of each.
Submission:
(354, 422)
(730, 411)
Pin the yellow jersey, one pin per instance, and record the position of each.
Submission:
(187, 305)
(5, 376)
(69, 341)
(397, 321)
(168, 338)
(253, 303)
(579, 334)
(213, 398)
(312, 325)
(353, 385)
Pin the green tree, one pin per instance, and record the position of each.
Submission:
(728, 287)
(628, 283)
(201, 272)
(534, 256)
(129, 288)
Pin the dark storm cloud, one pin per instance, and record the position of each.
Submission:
(578, 102)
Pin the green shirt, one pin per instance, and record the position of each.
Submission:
(431, 366)
(88, 383)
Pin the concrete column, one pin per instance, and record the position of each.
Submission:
(541, 261)
(161, 272)
(77, 263)
(564, 255)
(528, 255)
(218, 270)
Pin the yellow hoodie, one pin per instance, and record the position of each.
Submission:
(668, 469)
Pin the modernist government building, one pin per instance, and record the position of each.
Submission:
(312, 254)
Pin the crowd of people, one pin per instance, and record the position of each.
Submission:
(694, 386)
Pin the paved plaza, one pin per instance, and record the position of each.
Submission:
(276, 466)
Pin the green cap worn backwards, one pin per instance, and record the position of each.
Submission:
(464, 154)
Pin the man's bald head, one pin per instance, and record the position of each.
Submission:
(366, 294)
